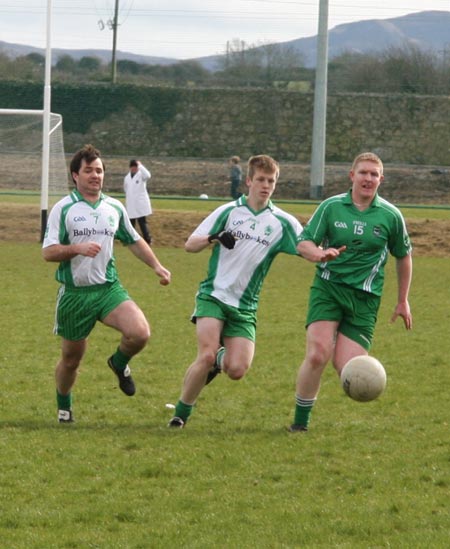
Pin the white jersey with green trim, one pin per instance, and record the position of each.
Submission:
(73, 220)
(235, 276)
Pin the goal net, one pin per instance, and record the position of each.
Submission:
(21, 153)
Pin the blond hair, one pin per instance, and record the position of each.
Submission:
(368, 157)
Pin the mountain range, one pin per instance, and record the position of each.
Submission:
(427, 30)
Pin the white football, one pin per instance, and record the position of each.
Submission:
(203, 196)
(363, 378)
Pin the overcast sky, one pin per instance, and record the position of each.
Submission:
(185, 28)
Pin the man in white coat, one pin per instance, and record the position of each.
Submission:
(136, 196)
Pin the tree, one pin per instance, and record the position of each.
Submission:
(259, 64)
(128, 67)
(89, 64)
(411, 70)
(36, 59)
(66, 63)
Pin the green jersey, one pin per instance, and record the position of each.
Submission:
(369, 236)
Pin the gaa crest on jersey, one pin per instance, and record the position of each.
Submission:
(268, 230)
(377, 231)
(340, 224)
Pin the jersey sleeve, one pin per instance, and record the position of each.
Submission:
(55, 230)
(399, 243)
(292, 230)
(315, 229)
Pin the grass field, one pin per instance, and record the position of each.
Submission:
(365, 475)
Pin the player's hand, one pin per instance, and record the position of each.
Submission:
(331, 253)
(164, 275)
(226, 238)
(404, 311)
(89, 249)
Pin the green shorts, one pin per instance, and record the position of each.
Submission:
(78, 309)
(237, 322)
(355, 310)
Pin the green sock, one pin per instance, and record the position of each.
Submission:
(120, 360)
(64, 401)
(303, 409)
(183, 410)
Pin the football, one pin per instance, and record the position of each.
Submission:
(363, 378)
(203, 196)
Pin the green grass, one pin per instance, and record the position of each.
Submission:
(366, 475)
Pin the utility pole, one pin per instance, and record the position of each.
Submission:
(320, 106)
(115, 24)
(46, 114)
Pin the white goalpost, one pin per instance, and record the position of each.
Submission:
(34, 137)
(29, 162)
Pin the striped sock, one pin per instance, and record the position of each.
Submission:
(303, 409)
(219, 357)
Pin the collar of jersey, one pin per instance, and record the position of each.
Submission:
(348, 199)
(77, 197)
(242, 201)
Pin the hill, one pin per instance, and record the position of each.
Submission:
(16, 50)
(427, 30)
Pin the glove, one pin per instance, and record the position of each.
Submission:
(226, 238)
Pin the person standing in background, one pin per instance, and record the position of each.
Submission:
(235, 176)
(137, 199)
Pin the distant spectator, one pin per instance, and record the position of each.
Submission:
(235, 176)
(136, 196)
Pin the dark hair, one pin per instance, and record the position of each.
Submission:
(88, 153)
(133, 163)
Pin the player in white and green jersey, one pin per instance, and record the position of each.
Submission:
(350, 236)
(246, 235)
(80, 235)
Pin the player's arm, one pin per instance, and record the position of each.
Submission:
(404, 277)
(197, 243)
(65, 252)
(310, 251)
(143, 252)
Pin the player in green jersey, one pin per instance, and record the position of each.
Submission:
(80, 235)
(350, 237)
(246, 235)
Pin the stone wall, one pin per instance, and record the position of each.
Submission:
(216, 123)
(219, 123)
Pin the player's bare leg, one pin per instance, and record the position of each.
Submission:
(208, 341)
(320, 337)
(238, 356)
(345, 349)
(66, 374)
(128, 319)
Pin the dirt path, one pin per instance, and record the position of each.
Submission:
(19, 223)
